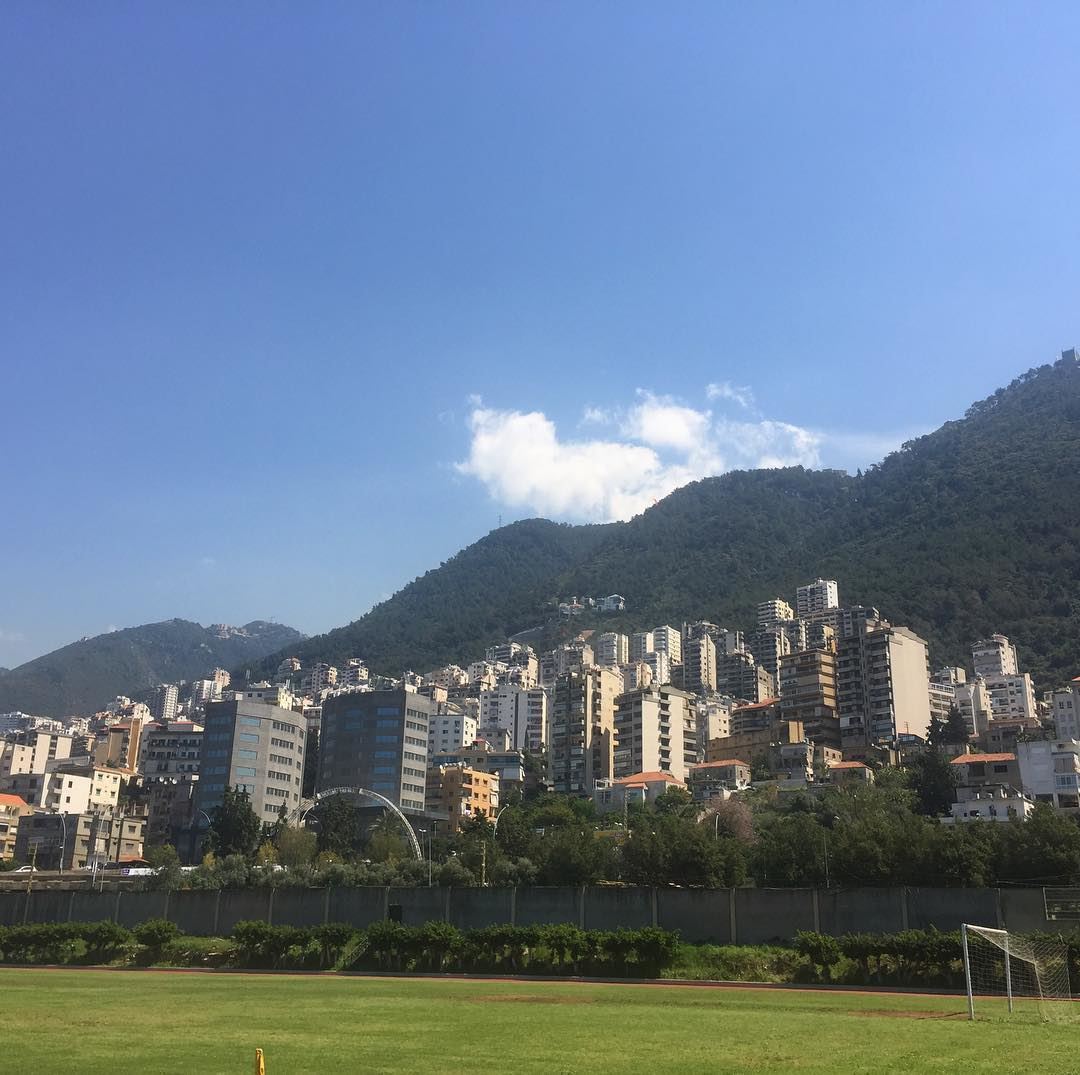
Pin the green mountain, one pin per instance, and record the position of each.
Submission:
(972, 529)
(85, 676)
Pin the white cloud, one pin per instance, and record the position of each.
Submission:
(663, 444)
(740, 394)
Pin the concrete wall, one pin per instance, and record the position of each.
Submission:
(718, 916)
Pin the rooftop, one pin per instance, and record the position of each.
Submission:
(718, 764)
(964, 759)
(849, 765)
(645, 778)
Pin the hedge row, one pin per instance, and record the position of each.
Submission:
(911, 957)
(387, 946)
(438, 946)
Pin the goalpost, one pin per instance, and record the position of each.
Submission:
(1000, 965)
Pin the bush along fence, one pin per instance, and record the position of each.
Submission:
(913, 958)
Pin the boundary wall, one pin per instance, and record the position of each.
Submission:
(719, 916)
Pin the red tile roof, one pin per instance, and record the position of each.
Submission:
(849, 765)
(644, 778)
(964, 759)
(12, 800)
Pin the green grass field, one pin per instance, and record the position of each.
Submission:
(104, 1021)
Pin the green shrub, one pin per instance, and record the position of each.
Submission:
(105, 941)
(155, 933)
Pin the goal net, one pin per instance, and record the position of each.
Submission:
(1010, 972)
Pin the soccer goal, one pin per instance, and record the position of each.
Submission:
(1007, 972)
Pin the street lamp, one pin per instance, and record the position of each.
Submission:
(425, 833)
(63, 841)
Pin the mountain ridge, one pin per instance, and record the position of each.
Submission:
(961, 532)
(86, 675)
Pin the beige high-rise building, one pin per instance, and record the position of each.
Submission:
(698, 674)
(582, 725)
(808, 694)
(519, 711)
(882, 684)
(655, 731)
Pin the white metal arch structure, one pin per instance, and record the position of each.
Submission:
(309, 804)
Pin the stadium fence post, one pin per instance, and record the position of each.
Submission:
(967, 970)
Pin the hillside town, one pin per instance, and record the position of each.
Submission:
(816, 694)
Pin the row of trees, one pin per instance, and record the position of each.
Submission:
(879, 835)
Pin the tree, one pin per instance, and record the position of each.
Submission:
(234, 826)
(339, 828)
(296, 847)
(311, 763)
(933, 779)
(955, 731)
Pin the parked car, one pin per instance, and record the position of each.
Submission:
(24, 869)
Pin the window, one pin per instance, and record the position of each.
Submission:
(247, 755)
(248, 737)
(388, 711)
(243, 771)
(255, 721)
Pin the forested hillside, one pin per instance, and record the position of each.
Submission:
(86, 675)
(971, 529)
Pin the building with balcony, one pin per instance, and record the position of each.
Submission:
(655, 731)
(717, 779)
(582, 725)
(461, 793)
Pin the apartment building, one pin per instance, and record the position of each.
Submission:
(808, 694)
(162, 703)
(816, 598)
(521, 712)
(462, 793)
(655, 731)
(1011, 697)
(172, 749)
(583, 729)
(119, 745)
(12, 809)
(30, 752)
(1050, 771)
(667, 640)
(377, 740)
(1065, 712)
(612, 648)
(698, 670)
(882, 684)
(508, 765)
(76, 841)
(255, 747)
(718, 779)
(740, 676)
(451, 728)
(994, 657)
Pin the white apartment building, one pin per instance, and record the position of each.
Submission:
(774, 613)
(1011, 696)
(994, 657)
(667, 640)
(521, 712)
(659, 664)
(816, 598)
(655, 731)
(612, 648)
(1065, 709)
(451, 731)
(1050, 771)
(641, 644)
(31, 752)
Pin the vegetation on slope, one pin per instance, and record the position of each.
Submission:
(971, 529)
(86, 675)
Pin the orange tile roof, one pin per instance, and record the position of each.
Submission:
(639, 778)
(848, 765)
(12, 800)
(717, 764)
(964, 759)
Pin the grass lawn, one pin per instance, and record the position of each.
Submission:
(107, 1021)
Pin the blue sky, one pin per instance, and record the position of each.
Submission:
(297, 300)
